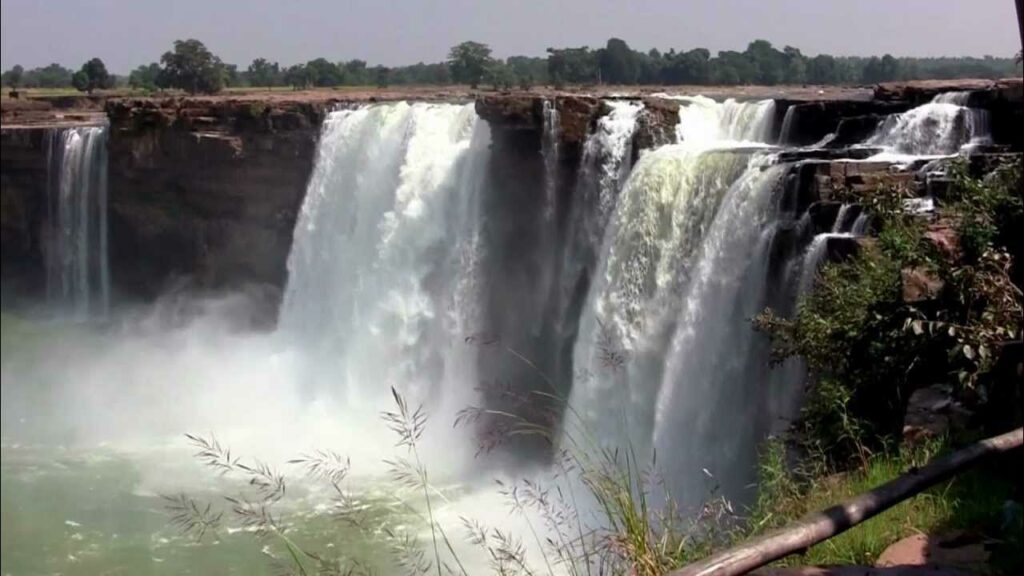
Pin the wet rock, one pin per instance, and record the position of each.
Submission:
(931, 412)
(943, 235)
(812, 121)
(855, 129)
(656, 124)
(920, 285)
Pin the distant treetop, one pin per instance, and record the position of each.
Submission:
(191, 67)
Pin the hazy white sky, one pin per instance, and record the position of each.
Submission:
(126, 33)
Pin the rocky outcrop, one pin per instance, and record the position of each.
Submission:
(656, 124)
(22, 206)
(812, 121)
(576, 117)
(206, 192)
(919, 92)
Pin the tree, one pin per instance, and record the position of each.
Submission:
(263, 73)
(145, 77)
(322, 73)
(572, 65)
(91, 76)
(890, 68)
(52, 76)
(381, 76)
(191, 67)
(769, 64)
(13, 76)
(297, 77)
(354, 72)
(617, 63)
(469, 62)
(501, 75)
(796, 66)
(822, 70)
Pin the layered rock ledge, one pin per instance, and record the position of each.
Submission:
(206, 190)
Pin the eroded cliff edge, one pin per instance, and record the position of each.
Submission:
(205, 192)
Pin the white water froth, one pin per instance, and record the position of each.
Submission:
(941, 127)
(381, 274)
(703, 121)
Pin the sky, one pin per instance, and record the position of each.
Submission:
(127, 33)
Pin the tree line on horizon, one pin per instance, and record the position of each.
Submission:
(191, 67)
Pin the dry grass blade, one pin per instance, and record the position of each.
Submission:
(408, 554)
(409, 425)
(192, 518)
(325, 465)
(256, 516)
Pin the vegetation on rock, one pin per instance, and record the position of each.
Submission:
(870, 338)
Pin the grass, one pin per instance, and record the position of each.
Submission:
(971, 501)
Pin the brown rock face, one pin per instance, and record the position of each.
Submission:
(206, 192)
(22, 205)
(920, 285)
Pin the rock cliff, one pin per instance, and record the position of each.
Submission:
(205, 191)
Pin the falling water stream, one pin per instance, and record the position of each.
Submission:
(77, 272)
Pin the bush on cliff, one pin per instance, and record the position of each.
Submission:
(870, 333)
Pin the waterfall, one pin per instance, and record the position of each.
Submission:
(604, 168)
(383, 276)
(549, 151)
(665, 328)
(785, 134)
(815, 254)
(940, 127)
(717, 400)
(76, 257)
(703, 120)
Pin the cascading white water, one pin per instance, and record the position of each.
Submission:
(77, 270)
(703, 121)
(549, 151)
(940, 127)
(382, 273)
(604, 167)
(692, 223)
(785, 133)
(717, 400)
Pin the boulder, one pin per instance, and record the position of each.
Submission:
(920, 285)
(961, 551)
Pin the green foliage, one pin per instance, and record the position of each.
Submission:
(192, 67)
(51, 76)
(501, 76)
(618, 63)
(91, 76)
(381, 76)
(572, 66)
(971, 501)
(469, 62)
(12, 77)
(867, 348)
(146, 77)
(298, 77)
(262, 72)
